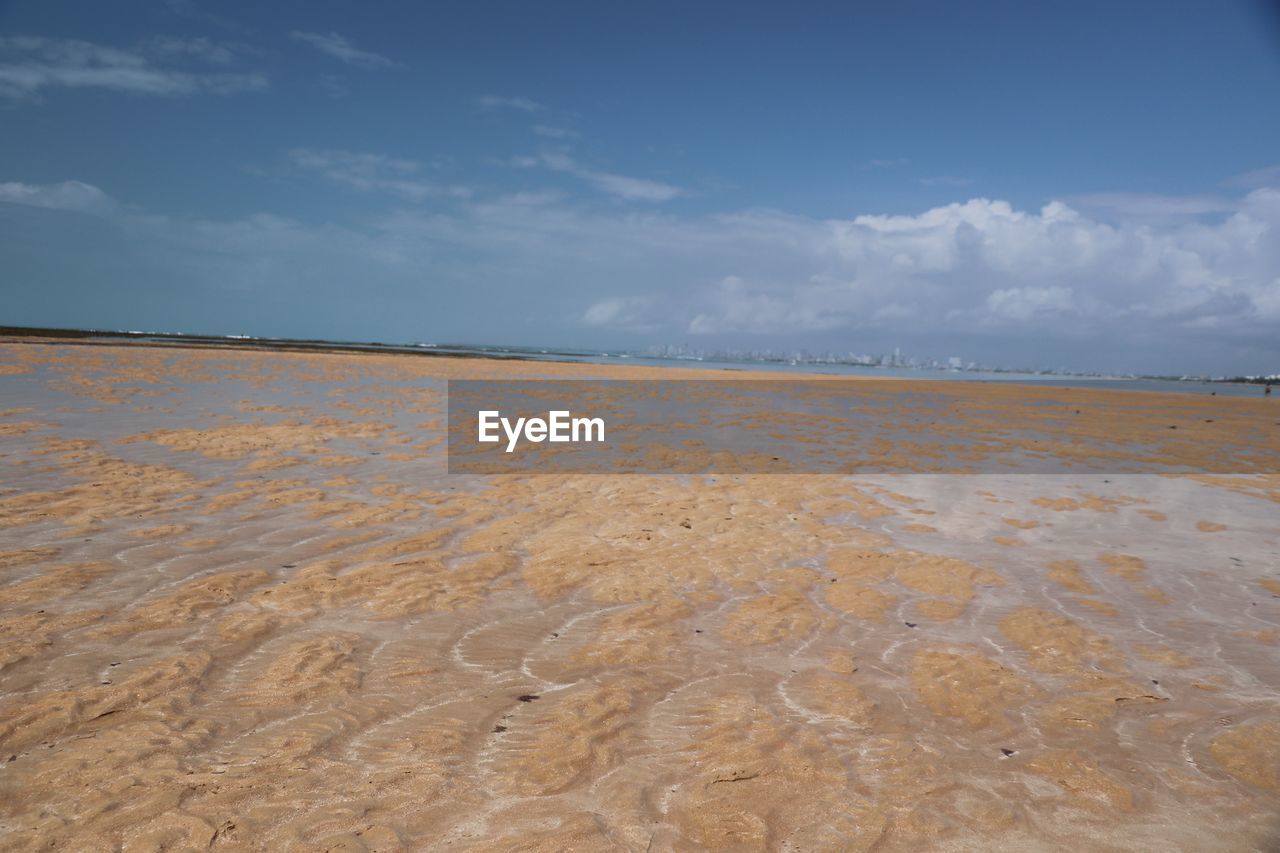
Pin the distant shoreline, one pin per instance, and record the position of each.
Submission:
(518, 353)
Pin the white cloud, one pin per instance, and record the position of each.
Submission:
(980, 266)
(342, 49)
(31, 64)
(984, 263)
(621, 186)
(631, 189)
(373, 173)
(69, 195)
(975, 266)
(498, 102)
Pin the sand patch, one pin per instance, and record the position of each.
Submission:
(1251, 753)
(916, 527)
(1082, 781)
(191, 600)
(27, 556)
(1054, 643)
(1067, 574)
(771, 619)
(968, 686)
(1126, 566)
(160, 531)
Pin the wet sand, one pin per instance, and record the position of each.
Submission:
(243, 606)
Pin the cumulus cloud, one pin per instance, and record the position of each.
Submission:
(984, 263)
(978, 266)
(29, 65)
(373, 173)
(341, 48)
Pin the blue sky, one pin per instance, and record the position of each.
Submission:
(1089, 185)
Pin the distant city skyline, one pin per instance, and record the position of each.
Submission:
(1090, 186)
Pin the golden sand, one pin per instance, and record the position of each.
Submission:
(242, 606)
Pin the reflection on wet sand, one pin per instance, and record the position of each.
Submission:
(242, 604)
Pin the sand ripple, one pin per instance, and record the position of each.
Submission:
(257, 614)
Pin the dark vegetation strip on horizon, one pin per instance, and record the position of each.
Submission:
(102, 336)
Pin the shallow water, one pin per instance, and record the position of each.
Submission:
(242, 602)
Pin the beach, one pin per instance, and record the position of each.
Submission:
(244, 604)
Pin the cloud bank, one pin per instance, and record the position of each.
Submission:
(1182, 294)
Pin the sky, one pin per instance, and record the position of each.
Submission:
(1082, 185)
